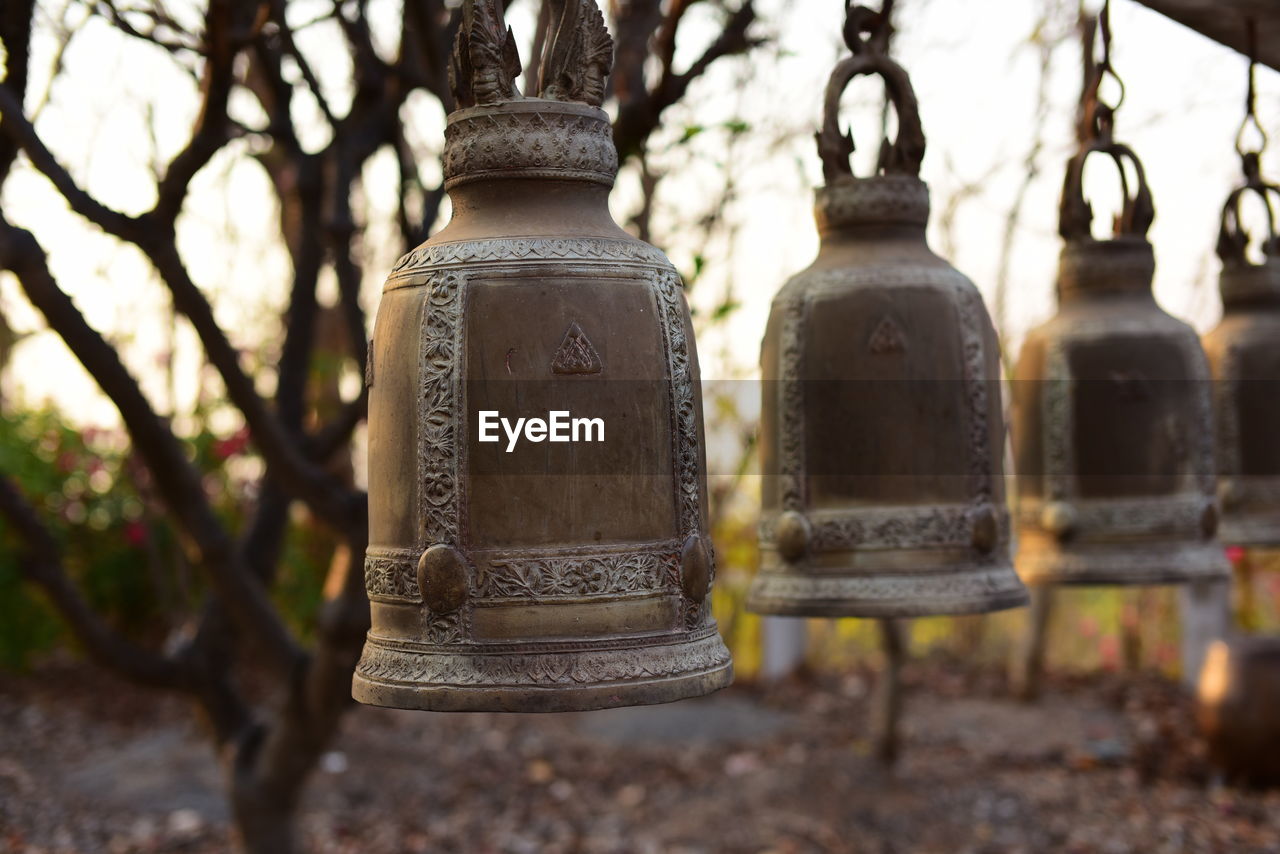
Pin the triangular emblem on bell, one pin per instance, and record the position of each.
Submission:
(576, 354)
(1112, 429)
(881, 428)
(1244, 352)
(537, 497)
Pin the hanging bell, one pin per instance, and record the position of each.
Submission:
(1244, 352)
(881, 427)
(1112, 428)
(537, 498)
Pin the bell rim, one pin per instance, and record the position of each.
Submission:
(1008, 592)
(1138, 564)
(451, 698)
(496, 696)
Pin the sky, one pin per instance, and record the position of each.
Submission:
(118, 108)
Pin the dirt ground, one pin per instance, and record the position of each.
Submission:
(1104, 764)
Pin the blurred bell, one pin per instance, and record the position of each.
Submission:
(881, 428)
(563, 564)
(1112, 424)
(1238, 694)
(1244, 352)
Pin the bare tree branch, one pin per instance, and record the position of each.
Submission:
(179, 483)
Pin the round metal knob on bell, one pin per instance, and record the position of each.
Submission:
(1244, 352)
(538, 531)
(1112, 425)
(881, 428)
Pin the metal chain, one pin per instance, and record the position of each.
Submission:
(876, 26)
(1251, 159)
(1100, 117)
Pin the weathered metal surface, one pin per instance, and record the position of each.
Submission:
(1239, 693)
(1244, 352)
(881, 429)
(1112, 425)
(544, 577)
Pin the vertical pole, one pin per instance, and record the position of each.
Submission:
(785, 641)
(1028, 665)
(1206, 617)
(887, 709)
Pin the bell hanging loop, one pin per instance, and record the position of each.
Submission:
(1137, 211)
(1233, 240)
(836, 147)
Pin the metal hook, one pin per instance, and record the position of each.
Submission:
(1250, 104)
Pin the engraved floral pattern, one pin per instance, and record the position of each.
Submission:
(439, 390)
(685, 412)
(528, 249)
(578, 667)
(389, 575)
(577, 575)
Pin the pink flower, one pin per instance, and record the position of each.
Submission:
(234, 444)
(135, 533)
(1235, 554)
(1109, 650)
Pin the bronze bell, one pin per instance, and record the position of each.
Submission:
(881, 427)
(1112, 424)
(1237, 695)
(530, 572)
(1244, 352)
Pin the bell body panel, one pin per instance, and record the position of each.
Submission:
(1113, 433)
(542, 574)
(881, 425)
(1244, 353)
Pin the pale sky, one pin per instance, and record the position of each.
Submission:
(974, 75)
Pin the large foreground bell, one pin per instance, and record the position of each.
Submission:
(1112, 428)
(1244, 351)
(560, 562)
(881, 428)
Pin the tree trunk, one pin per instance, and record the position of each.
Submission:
(264, 820)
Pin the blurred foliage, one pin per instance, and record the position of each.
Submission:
(82, 483)
(117, 544)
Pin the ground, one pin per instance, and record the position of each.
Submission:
(1101, 764)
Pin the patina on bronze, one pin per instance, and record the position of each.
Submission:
(551, 577)
(1244, 352)
(881, 429)
(1112, 423)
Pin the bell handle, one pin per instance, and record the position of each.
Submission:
(1233, 240)
(1075, 215)
(904, 154)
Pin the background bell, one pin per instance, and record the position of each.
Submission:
(881, 428)
(1112, 429)
(1244, 352)
(529, 574)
